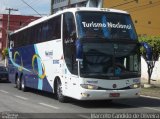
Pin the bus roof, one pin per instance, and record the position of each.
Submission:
(69, 10)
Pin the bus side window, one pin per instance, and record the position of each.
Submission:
(68, 25)
(54, 28)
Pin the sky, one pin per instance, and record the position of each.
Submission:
(41, 6)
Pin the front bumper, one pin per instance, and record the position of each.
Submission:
(106, 94)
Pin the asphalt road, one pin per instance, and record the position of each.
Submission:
(44, 104)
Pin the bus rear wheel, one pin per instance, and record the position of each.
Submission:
(23, 87)
(18, 83)
(59, 93)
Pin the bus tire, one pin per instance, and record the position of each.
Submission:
(59, 94)
(16, 76)
(18, 83)
(23, 87)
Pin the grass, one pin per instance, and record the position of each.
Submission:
(153, 91)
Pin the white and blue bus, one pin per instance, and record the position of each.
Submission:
(82, 53)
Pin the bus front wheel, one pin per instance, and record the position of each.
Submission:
(59, 93)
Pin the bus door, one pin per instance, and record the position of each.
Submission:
(69, 49)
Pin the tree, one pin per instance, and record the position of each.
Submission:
(4, 53)
(5, 56)
(154, 43)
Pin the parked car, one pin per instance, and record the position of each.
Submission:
(3, 73)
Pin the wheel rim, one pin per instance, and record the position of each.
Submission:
(59, 90)
(22, 84)
(18, 82)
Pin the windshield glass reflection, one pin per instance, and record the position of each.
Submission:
(110, 59)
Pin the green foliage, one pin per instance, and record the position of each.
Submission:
(154, 42)
(4, 53)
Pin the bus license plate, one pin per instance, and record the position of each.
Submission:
(114, 95)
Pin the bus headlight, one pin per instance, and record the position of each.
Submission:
(137, 85)
(88, 86)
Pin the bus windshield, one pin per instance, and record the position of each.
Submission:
(105, 25)
(110, 60)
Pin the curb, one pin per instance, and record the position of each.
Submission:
(150, 97)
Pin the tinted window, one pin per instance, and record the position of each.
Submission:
(68, 25)
(54, 28)
(110, 59)
(69, 42)
(105, 25)
(45, 31)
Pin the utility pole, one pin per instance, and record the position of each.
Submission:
(8, 30)
(69, 3)
(52, 1)
(8, 23)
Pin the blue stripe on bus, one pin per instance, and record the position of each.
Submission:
(31, 78)
(14, 63)
(40, 81)
(105, 29)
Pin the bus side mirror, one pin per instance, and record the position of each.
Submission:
(79, 51)
(11, 44)
(148, 49)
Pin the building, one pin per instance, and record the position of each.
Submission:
(16, 22)
(145, 14)
(62, 4)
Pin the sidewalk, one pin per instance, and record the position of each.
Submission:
(153, 91)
